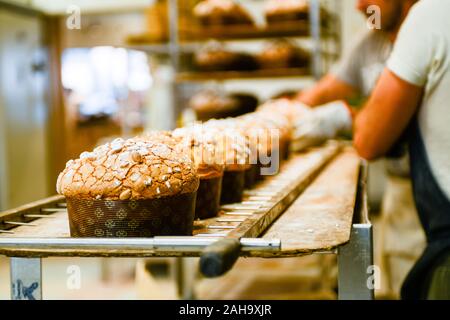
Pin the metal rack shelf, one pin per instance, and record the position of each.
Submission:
(324, 49)
(180, 41)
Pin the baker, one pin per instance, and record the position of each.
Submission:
(412, 96)
(413, 92)
(354, 78)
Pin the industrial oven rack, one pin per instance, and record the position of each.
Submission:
(316, 204)
(325, 49)
(186, 38)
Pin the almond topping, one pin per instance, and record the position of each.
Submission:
(125, 195)
(148, 182)
(136, 156)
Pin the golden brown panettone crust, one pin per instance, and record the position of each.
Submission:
(237, 151)
(130, 169)
(202, 149)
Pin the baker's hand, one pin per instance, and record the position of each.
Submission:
(293, 110)
(320, 124)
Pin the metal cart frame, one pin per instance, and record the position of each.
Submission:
(355, 260)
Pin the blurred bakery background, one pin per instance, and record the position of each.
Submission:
(77, 73)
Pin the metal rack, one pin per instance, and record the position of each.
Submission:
(42, 229)
(175, 47)
(314, 28)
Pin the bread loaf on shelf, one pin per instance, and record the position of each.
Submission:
(283, 54)
(215, 57)
(221, 13)
(286, 10)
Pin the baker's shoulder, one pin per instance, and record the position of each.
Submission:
(430, 4)
(426, 17)
(368, 41)
(426, 11)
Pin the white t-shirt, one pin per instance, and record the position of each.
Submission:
(421, 56)
(362, 66)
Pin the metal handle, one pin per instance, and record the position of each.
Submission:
(219, 257)
(164, 244)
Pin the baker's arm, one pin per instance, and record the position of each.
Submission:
(328, 89)
(386, 115)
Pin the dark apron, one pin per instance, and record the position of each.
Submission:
(433, 208)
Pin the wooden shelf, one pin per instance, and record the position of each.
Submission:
(232, 33)
(231, 75)
(245, 32)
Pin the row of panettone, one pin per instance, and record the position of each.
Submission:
(157, 183)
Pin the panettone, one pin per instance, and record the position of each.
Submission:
(221, 12)
(228, 135)
(209, 104)
(128, 169)
(159, 136)
(285, 114)
(286, 10)
(236, 156)
(247, 102)
(270, 133)
(283, 54)
(206, 155)
(246, 149)
(203, 149)
(214, 57)
(132, 187)
(291, 110)
(265, 138)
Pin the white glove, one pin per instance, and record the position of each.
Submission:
(320, 124)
